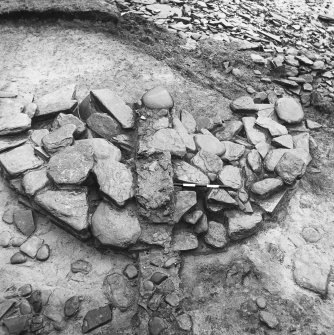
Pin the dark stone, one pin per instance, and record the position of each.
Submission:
(35, 301)
(59, 138)
(18, 258)
(9, 142)
(43, 253)
(158, 277)
(96, 318)
(104, 125)
(72, 306)
(25, 290)
(63, 119)
(24, 221)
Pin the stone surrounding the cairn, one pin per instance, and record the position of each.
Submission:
(102, 149)
(17, 241)
(184, 322)
(188, 121)
(115, 180)
(156, 325)
(96, 318)
(216, 235)
(233, 151)
(34, 181)
(183, 241)
(59, 101)
(184, 200)
(9, 142)
(16, 324)
(267, 186)
(222, 197)
(20, 160)
(104, 125)
(72, 306)
(43, 253)
(72, 164)
(18, 258)
(313, 125)
(202, 225)
(312, 269)
(208, 163)
(244, 104)
(241, 225)
(63, 119)
(254, 161)
(37, 136)
(118, 291)
(229, 130)
(302, 141)
(14, 123)
(230, 176)
(209, 143)
(193, 217)
(31, 246)
(24, 221)
(59, 138)
(187, 173)
(5, 238)
(81, 266)
(284, 141)
(289, 110)
(69, 208)
(269, 319)
(290, 167)
(114, 227)
(254, 134)
(271, 203)
(272, 158)
(111, 103)
(158, 98)
(155, 187)
(275, 128)
(182, 131)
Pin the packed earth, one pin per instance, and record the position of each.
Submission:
(167, 169)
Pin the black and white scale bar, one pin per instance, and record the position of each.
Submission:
(198, 185)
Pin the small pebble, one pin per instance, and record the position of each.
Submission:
(8, 215)
(131, 271)
(261, 302)
(158, 277)
(17, 241)
(148, 285)
(18, 258)
(25, 290)
(72, 306)
(43, 253)
(5, 239)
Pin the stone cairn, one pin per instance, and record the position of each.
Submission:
(105, 171)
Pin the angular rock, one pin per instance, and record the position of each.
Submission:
(5, 238)
(188, 122)
(241, 225)
(258, 59)
(289, 110)
(96, 318)
(254, 134)
(35, 180)
(102, 149)
(36, 301)
(24, 221)
(230, 129)
(114, 227)
(158, 98)
(158, 277)
(202, 225)
(184, 200)
(184, 322)
(275, 128)
(63, 119)
(17, 241)
(243, 104)
(31, 246)
(209, 144)
(59, 101)
(233, 151)
(25, 308)
(270, 204)
(37, 136)
(272, 158)
(9, 142)
(216, 236)
(155, 187)
(221, 196)
(43, 253)
(284, 141)
(267, 186)
(263, 148)
(59, 138)
(118, 291)
(104, 125)
(18, 258)
(13, 123)
(208, 163)
(16, 324)
(111, 103)
(269, 319)
(20, 160)
(313, 124)
(302, 141)
(30, 109)
(182, 131)
(193, 217)
(254, 161)
(81, 266)
(115, 180)
(71, 165)
(183, 241)
(230, 176)
(290, 167)
(69, 208)
(72, 306)
(187, 173)
(130, 271)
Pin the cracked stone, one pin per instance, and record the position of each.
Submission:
(208, 163)
(9, 142)
(12, 121)
(187, 173)
(104, 125)
(273, 157)
(221, 196)
(275, 128)
(254, 134)
(182, 131)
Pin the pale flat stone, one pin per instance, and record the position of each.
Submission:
(254, 134)
(230, 176)
(9, 142)
(216, 236)
(210, 144)
(34, 181)
(267, 186)
(233, 151)
(184, 200)
(158, 98)
(289, 110)
(273, 158)
(229, 130)
(285, 141)
(188, 121)
(182, 131)
(275, 128)
(31, 246)
(187, 173)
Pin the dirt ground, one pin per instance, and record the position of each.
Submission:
(42, 55)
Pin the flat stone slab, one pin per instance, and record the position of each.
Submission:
(208, 163)
(63, 119)
(155, 187)
(19, 160)
(31, 246)
(112, 104)
(104, 125)
(9, 142)
(96, 318)
(184, 200)
(184, 172)
(14, 123)
(114, 227)
(59, 138)
(34, 181)
(70, 207)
